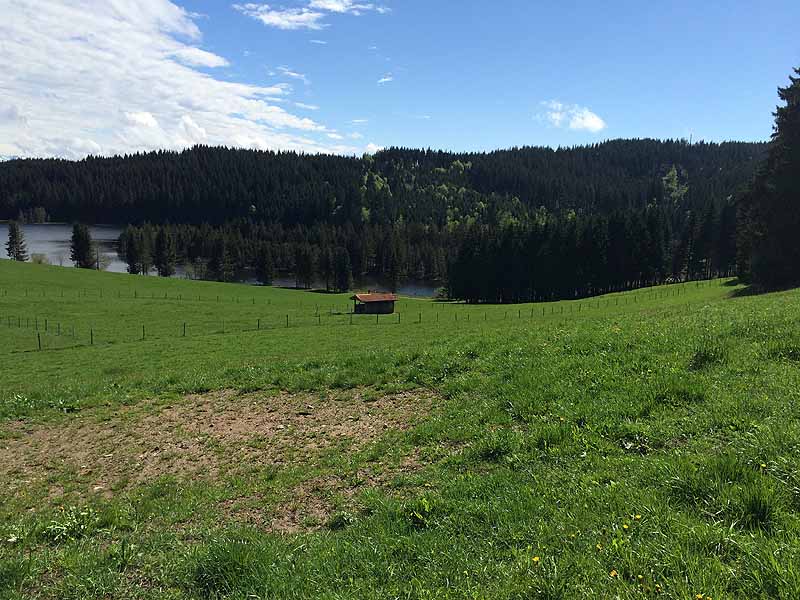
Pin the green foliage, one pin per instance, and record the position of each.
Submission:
(82, 251)
(15, 246)
(769, 220)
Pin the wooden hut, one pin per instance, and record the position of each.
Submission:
(373, 304)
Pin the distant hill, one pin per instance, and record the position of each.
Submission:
(219, 185)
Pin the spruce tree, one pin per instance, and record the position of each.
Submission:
(770, 210)
(342, 271)
(15, 247)
(265, 265)
(165, 254)
(82, 247)
(129, 250)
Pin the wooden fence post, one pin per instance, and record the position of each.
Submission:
(39, 340)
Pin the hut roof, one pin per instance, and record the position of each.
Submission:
(366, 298)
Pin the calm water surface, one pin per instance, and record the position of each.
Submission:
(52, 240)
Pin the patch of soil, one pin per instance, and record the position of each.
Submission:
(200, 437)
(311, 504)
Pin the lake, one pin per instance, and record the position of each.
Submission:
(52, 240)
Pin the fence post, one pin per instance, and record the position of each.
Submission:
(39, 340)
(91, 337)
(184, 330)
(258, 325)
(142, 331)
(45, 325)
(287, 321)
(376, 319)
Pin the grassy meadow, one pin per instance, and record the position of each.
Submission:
(637, 445)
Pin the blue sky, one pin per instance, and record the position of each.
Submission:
(85, 76)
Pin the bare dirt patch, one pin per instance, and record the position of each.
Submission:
(199, 437)
(310, 504)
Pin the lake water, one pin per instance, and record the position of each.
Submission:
(52, 240)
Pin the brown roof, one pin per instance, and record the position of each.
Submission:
(375, 297)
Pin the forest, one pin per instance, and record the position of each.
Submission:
(505, 226)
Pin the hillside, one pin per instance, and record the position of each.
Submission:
(218, 185)
(636, 445)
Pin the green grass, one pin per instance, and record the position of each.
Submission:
(640, 445)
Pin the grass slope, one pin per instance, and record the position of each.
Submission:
(637, 445)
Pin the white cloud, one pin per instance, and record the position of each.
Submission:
(310, 16)
(318, 42)
(386, 79)
(143, 119)
(359, 121)
(197, 57)
(342, 6)
(355, 136)
(287, 72)
(578, 118)
(129, 82)
(335, 136)
(373, 148)
(10, 113)
(305, 106)
(283, 18)
(583, 118)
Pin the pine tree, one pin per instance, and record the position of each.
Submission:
(342, 271)
(82, 247)
(770, 210)
(15, 247)
(265, 266)
(304, 265)
(326, 267)
(164, 257)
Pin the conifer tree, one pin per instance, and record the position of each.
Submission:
(343, 273)
(82, 247)
(265, 266)
(15, 247)
(770, 210)
(165, 254)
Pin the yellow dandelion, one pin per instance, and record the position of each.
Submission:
(536, 560)
(698, 597)
(613, 573)
(625, 526)
(638, 517)
(640, 577)
(599, 547)
(763, 465)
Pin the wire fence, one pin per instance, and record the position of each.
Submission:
(27, 333)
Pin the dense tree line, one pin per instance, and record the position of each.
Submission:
(328, 253)
(502, 226)
(769, 210)
(220, 185)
